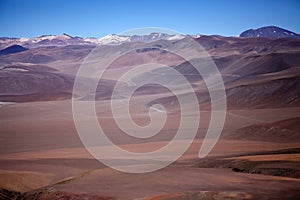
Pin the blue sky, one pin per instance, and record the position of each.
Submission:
(30, 18)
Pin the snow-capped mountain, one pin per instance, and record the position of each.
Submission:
(272, 32)
(64, 39)
(45, 40)
(155, 36)
(113, 39)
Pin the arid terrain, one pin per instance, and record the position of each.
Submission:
(256, 157)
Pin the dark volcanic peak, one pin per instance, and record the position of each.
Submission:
(272, 32)
(12, 49)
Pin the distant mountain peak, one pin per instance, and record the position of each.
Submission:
(272, 32)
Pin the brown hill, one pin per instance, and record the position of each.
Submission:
(287, 130)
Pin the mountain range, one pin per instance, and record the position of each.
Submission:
(44, 68)
(64, 39)
(271, 32)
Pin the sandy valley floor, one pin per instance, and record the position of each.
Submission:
(41, 151)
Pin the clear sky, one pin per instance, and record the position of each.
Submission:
(30, 18)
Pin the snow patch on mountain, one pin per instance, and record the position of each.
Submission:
(113, 39)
